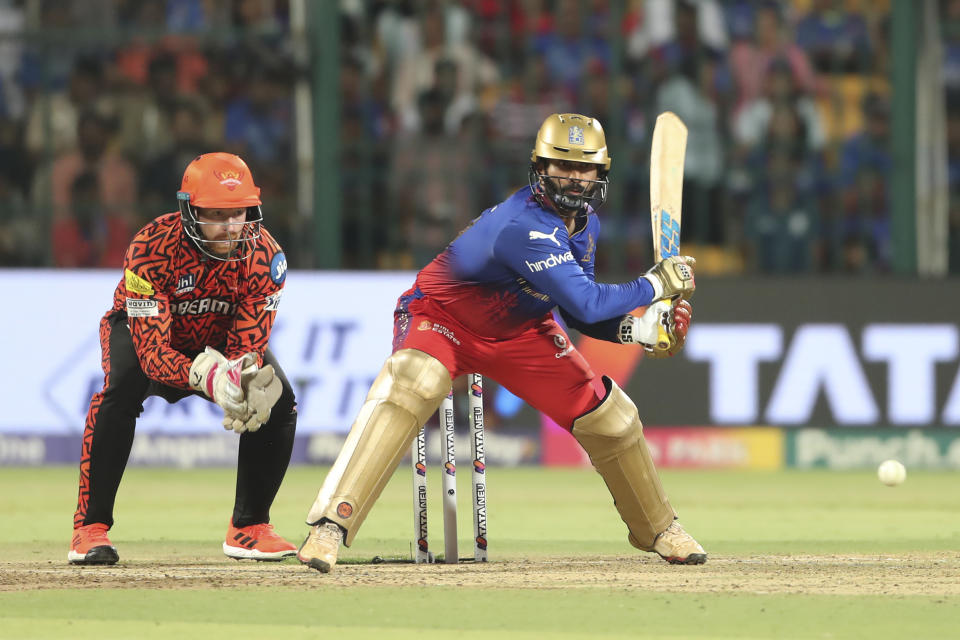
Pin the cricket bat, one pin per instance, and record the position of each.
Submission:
(667, 153)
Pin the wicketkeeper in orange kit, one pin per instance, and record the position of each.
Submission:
(192, 315)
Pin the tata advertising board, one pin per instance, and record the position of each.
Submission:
(814, 352)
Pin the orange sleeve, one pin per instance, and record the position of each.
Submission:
(146, 269)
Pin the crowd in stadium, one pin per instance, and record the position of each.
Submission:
(104, 102)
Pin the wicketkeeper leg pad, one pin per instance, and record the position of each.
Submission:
(405, 394)
(612, 436)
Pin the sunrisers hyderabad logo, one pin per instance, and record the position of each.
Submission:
(229, 179)
(344, 509)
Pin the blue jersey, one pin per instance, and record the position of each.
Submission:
(515, 263)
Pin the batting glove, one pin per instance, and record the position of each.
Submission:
(643, 329)
(672, 277)
(676, 323)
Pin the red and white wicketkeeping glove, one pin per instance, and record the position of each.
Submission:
(219, 379)
(262, 389)
(245, 391)
(226, 383)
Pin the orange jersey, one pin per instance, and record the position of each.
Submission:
(178, 301)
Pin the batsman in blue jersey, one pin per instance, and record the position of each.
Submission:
(484, 305)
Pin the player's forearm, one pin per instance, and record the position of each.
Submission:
(238, 345)
(165, 365)
(607, 330)
(591, 302)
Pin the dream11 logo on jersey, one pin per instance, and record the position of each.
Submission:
(822, 360)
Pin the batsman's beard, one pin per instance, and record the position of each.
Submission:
(571, 199)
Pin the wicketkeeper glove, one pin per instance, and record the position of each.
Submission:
(219, 379)
(262, 388)
(243, 421)
(672, 277)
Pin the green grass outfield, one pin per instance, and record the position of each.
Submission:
(773, 526)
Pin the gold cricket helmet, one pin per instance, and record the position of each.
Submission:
(574, 138)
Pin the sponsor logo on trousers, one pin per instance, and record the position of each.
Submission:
(426, 325)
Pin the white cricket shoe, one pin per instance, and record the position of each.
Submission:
(676, 546)
(320, 549)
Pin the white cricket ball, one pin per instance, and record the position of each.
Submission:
(891, 473)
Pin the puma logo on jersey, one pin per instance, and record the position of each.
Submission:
(540, 235)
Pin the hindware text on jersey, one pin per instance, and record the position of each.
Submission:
(553, 260)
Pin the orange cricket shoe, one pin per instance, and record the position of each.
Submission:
(256, 542)
(91, 545)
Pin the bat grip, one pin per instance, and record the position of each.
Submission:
(663, 337)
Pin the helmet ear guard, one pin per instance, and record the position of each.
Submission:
(570, 137)
(220, 181)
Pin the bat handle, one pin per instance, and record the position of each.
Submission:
(663, 337)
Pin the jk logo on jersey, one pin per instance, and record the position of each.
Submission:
(575, 135)
(540, 235)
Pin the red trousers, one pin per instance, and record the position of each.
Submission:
(540, 365)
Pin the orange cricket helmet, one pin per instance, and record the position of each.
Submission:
(220, 181)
